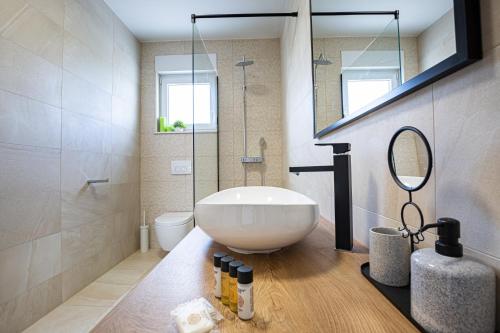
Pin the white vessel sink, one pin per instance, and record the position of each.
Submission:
(257, 219)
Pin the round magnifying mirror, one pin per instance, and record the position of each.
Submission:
(410, 158)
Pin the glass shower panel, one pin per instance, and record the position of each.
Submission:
(373, 72)
(205, 112)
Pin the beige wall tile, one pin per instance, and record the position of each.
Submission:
(15, 263)
(158, 168)
(468, 153)
(20, 312)
(96, 49)
(82, 97)
(85, 241)
(25, 121)
(83, 61)
(51, 8)
(92, 26)
(20, 73)
(82, 203)
(125, 142)
(490, 11)
(45, 260)
(36, 32)
(125, 169)
(81, 133)
(125, 114)
(28, 175)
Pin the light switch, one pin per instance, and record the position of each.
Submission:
(180, 167)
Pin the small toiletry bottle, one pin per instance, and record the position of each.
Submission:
(245, 292)
(217, 274)
(233, 285)
(224, 263)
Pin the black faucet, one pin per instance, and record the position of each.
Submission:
(341, 169)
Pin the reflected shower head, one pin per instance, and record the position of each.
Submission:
(244, 63)
(322, 60)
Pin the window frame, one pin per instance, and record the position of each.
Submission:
(375, 73)
(209, 77)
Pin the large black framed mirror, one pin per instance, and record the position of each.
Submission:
(367, 54)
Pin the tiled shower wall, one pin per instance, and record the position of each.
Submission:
(459, 116)
(69, 111)
(161, 191)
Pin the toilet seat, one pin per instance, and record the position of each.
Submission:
(173, 219)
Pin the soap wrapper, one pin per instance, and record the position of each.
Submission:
(196, 316)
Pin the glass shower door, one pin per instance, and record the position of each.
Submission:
(373, 72)
(205, 112)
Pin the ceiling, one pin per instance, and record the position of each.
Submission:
(159, 20)
(414, 16)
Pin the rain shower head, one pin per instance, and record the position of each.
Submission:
(244, 63)
(322, 60)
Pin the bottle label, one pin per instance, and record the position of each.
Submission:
(217, 287)
(245, 301)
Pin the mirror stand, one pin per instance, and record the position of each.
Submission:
(410, 163)
(417, 236)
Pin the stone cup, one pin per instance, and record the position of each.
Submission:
(389, 257)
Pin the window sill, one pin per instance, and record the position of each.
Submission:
(186, 132)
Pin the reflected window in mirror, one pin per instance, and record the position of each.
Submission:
(365, 51)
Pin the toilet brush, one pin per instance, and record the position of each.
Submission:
(144, 234)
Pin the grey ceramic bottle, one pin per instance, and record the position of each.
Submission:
(448, 292)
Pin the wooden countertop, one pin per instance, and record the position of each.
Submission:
(307, 287)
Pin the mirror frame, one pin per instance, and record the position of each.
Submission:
(391, 164)
(468, 47)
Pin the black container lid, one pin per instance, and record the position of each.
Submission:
(449, 232)
(233, 266)
(245, 274)
(217, 257)
(225, 263)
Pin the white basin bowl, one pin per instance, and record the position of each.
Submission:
(257, 219)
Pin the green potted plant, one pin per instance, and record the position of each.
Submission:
(179, 126)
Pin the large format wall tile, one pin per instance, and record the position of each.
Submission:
(91, 26)
(125, 113)
(85, 241)
(57, 233)
(37, 33)
(83, 61)
(28, 307)
(25, 121)
(81, 133)
(468, 151)
(15, 263)
(26, 74)
(30, 197)
(82, 97)
(82, 203)
(45, 259)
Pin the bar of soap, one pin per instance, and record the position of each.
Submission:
(194, 321)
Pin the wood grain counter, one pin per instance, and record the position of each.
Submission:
(307, 287)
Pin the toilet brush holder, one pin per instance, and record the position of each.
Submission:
(144, 238)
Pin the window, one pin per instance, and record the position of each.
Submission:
(361, 87)
(176, 100)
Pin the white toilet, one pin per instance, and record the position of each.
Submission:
(172, 227)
